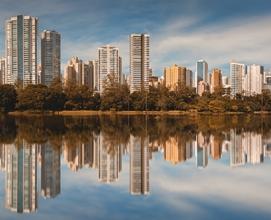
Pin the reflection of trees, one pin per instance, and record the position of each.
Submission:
(117, 129)
(7, 129)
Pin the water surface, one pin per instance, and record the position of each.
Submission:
(144, 167)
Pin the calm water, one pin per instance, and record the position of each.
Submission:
(135, 167)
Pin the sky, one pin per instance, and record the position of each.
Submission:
(182, 31)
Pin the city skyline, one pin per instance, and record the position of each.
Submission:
(197, 34)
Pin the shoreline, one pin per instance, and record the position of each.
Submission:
(133, 113)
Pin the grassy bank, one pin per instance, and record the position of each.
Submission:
(93, 113)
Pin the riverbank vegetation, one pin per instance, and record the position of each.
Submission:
(117, 97)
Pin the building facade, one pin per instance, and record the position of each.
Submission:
(109, 64)
(139, 62)
(50, 56)
(2, 70)
(21, 50)
(174, 76)
(253, 80)
(201, 72)
(237, 73)
(216, 80)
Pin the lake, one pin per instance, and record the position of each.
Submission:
(135, 167)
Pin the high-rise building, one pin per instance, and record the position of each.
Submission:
(201, 72)
(21, 177)
(2, 70)
(216, 80)
(139, 166)
(108, 65)
(253, 80)
(175, 150)
(95, 66)
(79, 73)
(50, 56)
(21, 50)
(175, 76)
(139, 62)
(189, 78)
(50, 170)
(237, 73)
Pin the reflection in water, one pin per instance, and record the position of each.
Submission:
(21, 177)
(100, 144)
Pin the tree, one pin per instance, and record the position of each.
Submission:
(8, 98)
(33, 97)
(56, 97)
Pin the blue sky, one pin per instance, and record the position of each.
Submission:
(182, 31)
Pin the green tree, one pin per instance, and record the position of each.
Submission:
(8, 98)
(33, 97)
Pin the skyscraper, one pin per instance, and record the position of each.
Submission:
(253, 80)
(109, 64)
(237, 73)
(201, 72)
(202, 148)
(175, 76)
(21, 50)
(216, 80)
(139, 62)
(50, 56)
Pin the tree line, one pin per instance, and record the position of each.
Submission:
(116, 96)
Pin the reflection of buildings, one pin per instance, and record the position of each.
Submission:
(2, 157)
(237, 156)
(78, 155)
(21, 177)
(139, 165)
(175, 150)
(50, 171)
(216, 147)
(110, 159)
(202, 148)
(253, 147)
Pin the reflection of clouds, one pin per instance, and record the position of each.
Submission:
(217, 185)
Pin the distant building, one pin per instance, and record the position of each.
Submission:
(79, 73)
(201, 72)
(216, 80)
(237, 73)
(50, 56)
(253, 80)
(174, 76)
(2, 70)
(109, 63)
(203, 87)
(202, 149)
(189, 78)
(139, 62)
(267, 81)
(153, 81)
(21, 50)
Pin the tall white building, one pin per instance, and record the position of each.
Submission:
(237, 73)
(201, 72)
(139, 62)
(253, 80)
(108, 64)
(21, 50)
(50, 56)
